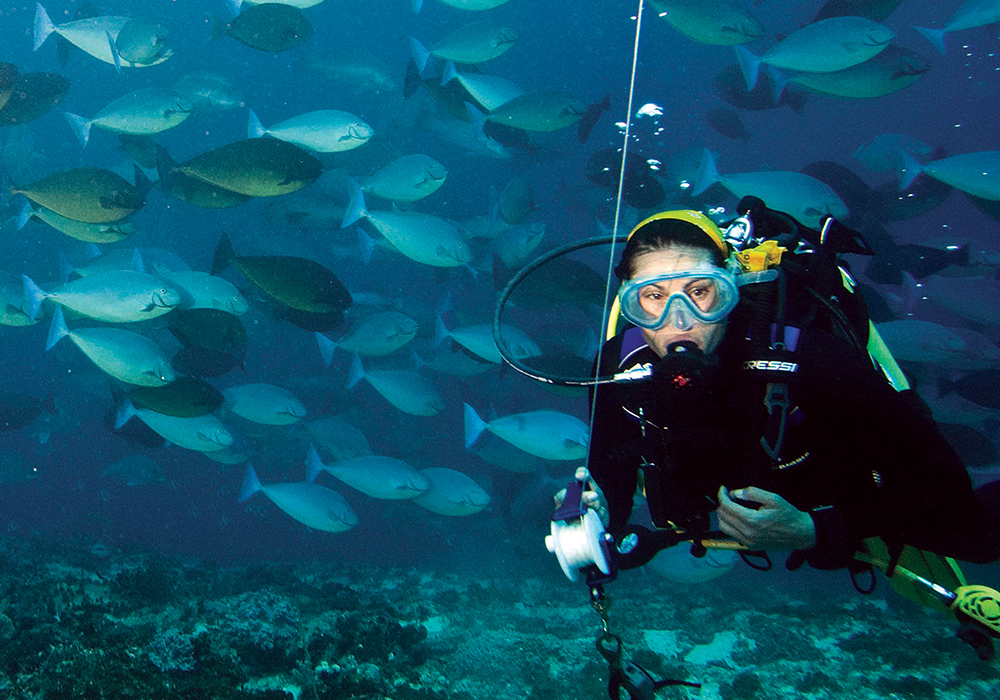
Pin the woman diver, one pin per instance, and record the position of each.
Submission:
(759, 412)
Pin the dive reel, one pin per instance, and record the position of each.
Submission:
(582, 546)
(579, 540)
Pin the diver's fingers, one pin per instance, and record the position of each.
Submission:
(733, 517)
(766, 499)
(595, 501)
(733, 530)
(589, 498)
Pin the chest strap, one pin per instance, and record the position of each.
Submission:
(779, 367)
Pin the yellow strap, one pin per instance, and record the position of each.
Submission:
(880, 354)
(612, 329)
(916, 572)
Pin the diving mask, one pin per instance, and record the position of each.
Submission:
(679, 299)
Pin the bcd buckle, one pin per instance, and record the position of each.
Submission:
(776, 398)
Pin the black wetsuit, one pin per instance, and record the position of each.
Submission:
(863, 459)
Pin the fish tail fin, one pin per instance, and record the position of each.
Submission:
(165, 166)
(357, 372)
(749, 65)
(117, 395)
(494, 208)
(591, 117)
(416, 5)
(474, 426)
(449, 73)
(501, 273)
(251, 484)
(81, 127)
(602, 227)
(420, 55)
(223, 254)
(43, 25)
(778, 83)
(235, 6)
(908, 173)
(216, 27)
(478, 119)
(707, 175)
(126, 412)
(254, 128)
(142, 183)
(93, 252)
(446, 305)
(24, 214)
(314, 465)
(440, 331)
(367, 245)
(935, 36)
(417, 360)
(912, 295)
(946, 386)
(326, 348)
(34, 295)
(591, 344)
(473, 272)
(795, 99)
(114, 52)
(65, 267)
(57, 329)
(356, 209)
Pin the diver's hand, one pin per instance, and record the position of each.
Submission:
(593, 498)
(776, 524)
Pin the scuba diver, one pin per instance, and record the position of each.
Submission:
(745, 393)
(765, 410)
(749, 388)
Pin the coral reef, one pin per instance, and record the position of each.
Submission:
(83, 622)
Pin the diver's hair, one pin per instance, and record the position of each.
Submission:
(663, 234)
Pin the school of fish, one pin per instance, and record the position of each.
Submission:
(349, 239)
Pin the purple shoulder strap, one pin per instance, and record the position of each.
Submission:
(632, 342)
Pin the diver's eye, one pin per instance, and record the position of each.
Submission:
(702, 294)
(652, 301)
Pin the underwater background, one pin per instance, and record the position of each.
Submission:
(117, 584)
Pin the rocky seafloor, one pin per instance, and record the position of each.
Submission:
(84, 622)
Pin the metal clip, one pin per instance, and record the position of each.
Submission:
(739, 234)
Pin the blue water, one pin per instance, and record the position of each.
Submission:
(584, 49)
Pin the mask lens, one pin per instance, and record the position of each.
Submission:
(703, 293)
(680, 300)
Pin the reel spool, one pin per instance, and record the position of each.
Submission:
(578, 538)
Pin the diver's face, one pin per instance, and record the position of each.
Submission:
(677, 259)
